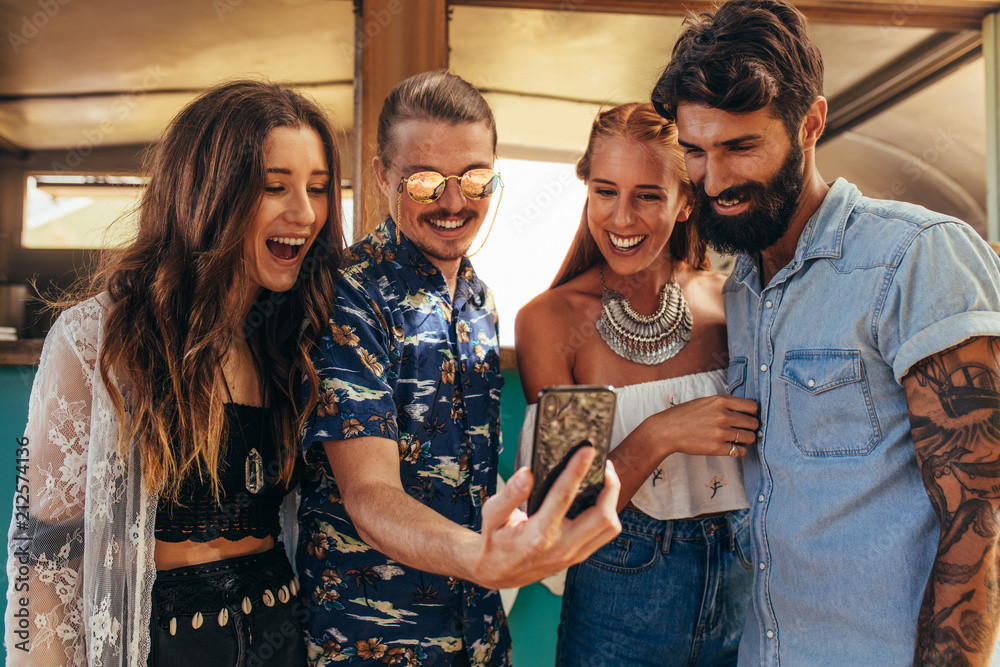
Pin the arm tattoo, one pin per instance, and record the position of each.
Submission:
(953, 399)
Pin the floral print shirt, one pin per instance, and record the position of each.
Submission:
(400, 360)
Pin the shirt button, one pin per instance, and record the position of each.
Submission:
(760, 498)
(763, 368)
(768, 304)
(770, 634)
(811, 383)
(760, 434)
(761, 565)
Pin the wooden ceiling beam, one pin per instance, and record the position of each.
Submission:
(394, 39)
(10, 148)
(927, 62)
(951, 15)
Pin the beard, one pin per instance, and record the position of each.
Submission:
(772, 206)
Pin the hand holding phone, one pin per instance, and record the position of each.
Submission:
(571, 417)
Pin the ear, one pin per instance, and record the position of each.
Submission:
(382, 178)
(685, 211)
(813, 124)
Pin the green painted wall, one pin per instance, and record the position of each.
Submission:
(535, 616)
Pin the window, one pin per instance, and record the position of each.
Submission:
(95, 210)
(77, 210)
(539, 214)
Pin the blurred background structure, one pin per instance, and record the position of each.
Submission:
(87, 85)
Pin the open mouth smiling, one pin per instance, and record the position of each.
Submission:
(285, 247)
(624, 243)
(447, 223)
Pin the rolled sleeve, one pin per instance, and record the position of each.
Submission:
(945, 290)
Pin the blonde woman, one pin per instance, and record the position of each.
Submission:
(635, 291)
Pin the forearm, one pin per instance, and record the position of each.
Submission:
(702, 427)
(509, 551)
(406, 530)
(953, 410)
(635, 459)
(958, 621)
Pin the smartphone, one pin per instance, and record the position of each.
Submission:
(571, 417)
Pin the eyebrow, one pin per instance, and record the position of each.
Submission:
(288, 172)
(728, 142)
(413, 169)
(648, 187)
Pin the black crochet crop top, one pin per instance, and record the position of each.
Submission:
(239, 513)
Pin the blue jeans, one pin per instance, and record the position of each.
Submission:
(661, 593)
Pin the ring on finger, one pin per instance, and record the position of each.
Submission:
(734, 451)
(736, 440)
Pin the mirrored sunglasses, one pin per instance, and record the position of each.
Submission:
(426, 186)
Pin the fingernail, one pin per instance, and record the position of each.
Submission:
(520, 479)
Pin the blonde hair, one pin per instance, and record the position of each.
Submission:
(637, 122)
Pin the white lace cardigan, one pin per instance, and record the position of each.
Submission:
(81, 537)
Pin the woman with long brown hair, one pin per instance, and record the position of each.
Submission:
(635, 305)
(162, 431)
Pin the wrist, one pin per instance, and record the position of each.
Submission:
(656, 436)
(470, 557)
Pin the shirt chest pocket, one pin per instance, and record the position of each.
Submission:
(829, 407)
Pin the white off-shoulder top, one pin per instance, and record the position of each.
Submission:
(682, 486)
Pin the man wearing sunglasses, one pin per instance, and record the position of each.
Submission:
(401, 553)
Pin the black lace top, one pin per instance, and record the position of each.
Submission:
(239, 513)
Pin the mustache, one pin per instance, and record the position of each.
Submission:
(438, 213)
(756, 193)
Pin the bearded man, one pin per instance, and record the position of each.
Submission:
(867, 332)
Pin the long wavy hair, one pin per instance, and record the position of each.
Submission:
(177, 293)
(636, 122)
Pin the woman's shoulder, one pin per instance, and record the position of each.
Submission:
(80, 326)
(85, 315)
(564, 303)
(705, 283)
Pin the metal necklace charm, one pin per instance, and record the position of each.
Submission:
(254, 465)
(645, 339)
(254, 472)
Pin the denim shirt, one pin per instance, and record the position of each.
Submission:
(843, 532)
(400, 360)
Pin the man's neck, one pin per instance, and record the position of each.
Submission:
(449, 271)
(778, 256)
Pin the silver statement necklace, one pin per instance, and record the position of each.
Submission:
(645, 339)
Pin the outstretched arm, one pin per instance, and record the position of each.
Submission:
(953, 400)
(511, 550)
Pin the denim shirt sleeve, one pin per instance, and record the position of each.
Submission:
(357, 361)
(944, 290)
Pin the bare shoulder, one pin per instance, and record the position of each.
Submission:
(543, 331)
(705, 285)
(560, 307)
